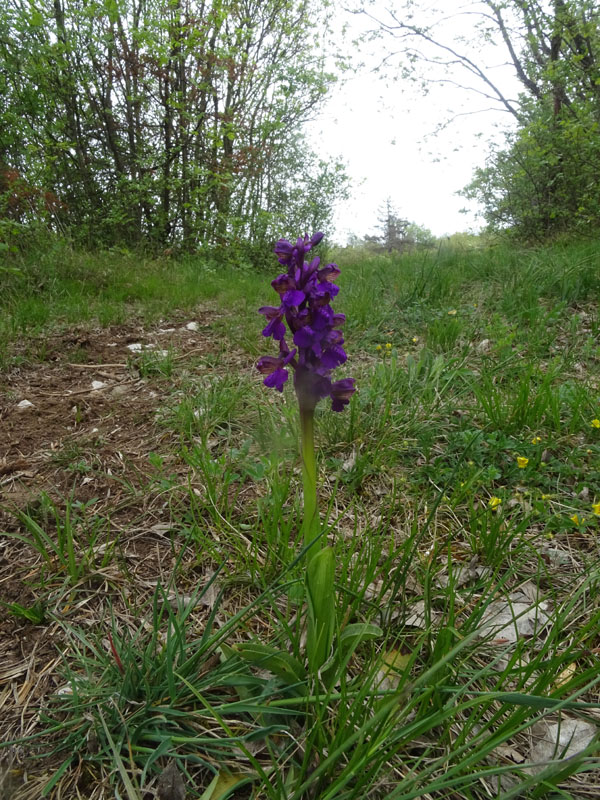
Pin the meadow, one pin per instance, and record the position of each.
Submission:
(152, 637)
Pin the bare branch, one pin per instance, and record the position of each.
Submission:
(464, 61)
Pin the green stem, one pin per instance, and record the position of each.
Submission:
(310, 522)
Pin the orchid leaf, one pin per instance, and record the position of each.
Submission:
(358, 632)
(280, 663)
(320, 584)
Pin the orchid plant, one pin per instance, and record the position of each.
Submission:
(305, 317)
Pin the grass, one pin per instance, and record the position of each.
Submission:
(459, 490)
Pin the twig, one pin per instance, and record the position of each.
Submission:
(96, 366)
(188, 353)
(89, 391)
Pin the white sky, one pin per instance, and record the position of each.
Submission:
(382, 130)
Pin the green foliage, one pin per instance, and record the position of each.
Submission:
(164, 124)
(68, 541)
(461, 479)
(544, 182)
(36, 613)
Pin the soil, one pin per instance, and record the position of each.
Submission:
(111, 425)
(91, 419)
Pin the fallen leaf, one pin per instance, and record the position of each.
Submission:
(558, 558)
(505, 621)
(559, 740)
(460, 574)
(224, 783)
(393, 664)
(210, 594)
(416, 615)
(508, 752)
(170, 783)
(528, 592)
(565, 675)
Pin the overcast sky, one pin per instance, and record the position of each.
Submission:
(382, 129)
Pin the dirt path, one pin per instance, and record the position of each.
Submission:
(81, 424)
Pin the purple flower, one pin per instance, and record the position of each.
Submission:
(305, 293)
(341, 392)
(288, 253)
(274, 368)
(275, 327)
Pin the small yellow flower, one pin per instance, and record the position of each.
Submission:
(596, 509)
(576, 520)
(549, 535)
(589, 452)
(494, 502)
(453, 312)
(415, 339)
(388, 345)
(378, 347)
(595, 423)
(474, 305)
(522, 462)
(536, 440)
(546, 497)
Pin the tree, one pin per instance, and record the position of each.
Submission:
(392, 229)
(552, 47)
(542, 182)
(420, 236)
(395, 234)
(166, 121)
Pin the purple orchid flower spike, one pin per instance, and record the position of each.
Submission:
(306, 316)
(305, 293)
